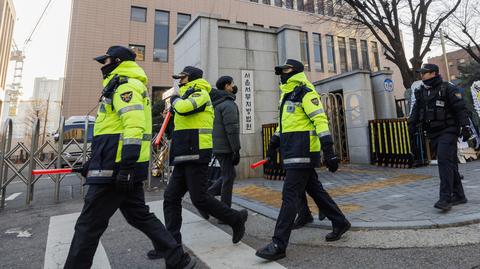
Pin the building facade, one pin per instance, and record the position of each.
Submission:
(7, 21)
(150, 27)
(454, 59)
(47, 99)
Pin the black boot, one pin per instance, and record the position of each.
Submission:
(203, 214)
(239, 227)
(443, 205)
(459, 200)
(186, 262)
(271, 252)
(155, 254)
(337, 232)
(301, 221)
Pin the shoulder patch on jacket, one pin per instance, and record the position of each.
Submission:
(315, 101)
(126, 97)
(196, 95)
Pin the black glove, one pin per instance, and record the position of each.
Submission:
(82, 170)
(272, 149)
(330, 159)
(236, 158)
(124, 182)
(466, 133)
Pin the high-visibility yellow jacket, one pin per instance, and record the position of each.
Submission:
(303, 124)
(193, 120)
(123, 128)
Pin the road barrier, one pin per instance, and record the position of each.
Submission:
(18, 160)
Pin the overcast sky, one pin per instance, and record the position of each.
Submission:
(45, 54)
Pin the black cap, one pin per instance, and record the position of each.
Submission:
(191, 72)
(222, 81)
(427, 68)
(120, 52)
(290, 63)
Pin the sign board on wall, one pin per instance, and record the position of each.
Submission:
(248, 110)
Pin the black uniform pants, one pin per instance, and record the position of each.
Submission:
(227, 177)
(192, 177)
(101, 202)
(303, 209)
(297, 181)
(450, 183)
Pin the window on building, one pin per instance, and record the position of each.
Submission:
(278, 3)
(376, 56)
(256, 1)
(273, 27)
(461, 61)
(139, 50)
(332, 67)
(310, 6)
(161, 39)
(300, 5)
(342, 49)
(266, 2)
(241, 23)
(354, 53)
(365, 58)
(330, 9)
(289, 4)
(182, 21)
(320, 7)
(138, 14)
(304, 53)
(317, 52)
(258, 25)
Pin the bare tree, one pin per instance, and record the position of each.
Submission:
(462, 28)
(388, 19)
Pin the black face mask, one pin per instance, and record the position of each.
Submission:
(285, 76)
(432, 82)
(107, 69)
(234, 89)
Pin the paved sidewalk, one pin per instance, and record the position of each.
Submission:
(376, 197)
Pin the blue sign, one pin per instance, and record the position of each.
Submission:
(388, 85)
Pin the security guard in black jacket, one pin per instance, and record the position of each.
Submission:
(442, 112)
(119, 164)
(302, 132)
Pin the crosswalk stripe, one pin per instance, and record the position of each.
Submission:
(214, 246)
(60, 234)
(13, 196)
(210, 244)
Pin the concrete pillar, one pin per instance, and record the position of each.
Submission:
(383, 89)
(288, 43)
(358, 100)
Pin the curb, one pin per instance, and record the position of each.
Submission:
(272, 213)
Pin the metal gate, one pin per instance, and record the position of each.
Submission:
(334, 106)
(19, 159)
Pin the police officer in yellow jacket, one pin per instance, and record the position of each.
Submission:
(301, 133)
(190, 154)
(119, 164)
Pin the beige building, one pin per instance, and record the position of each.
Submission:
(7, 20)
(150, 28)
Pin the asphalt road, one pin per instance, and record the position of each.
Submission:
(126, 247)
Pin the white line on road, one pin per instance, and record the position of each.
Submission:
(13, 196)
(60, 234)
(214, 246)
(210, 244)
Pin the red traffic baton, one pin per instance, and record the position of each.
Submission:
(52, 171)
(162, 130)
(257, 164)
